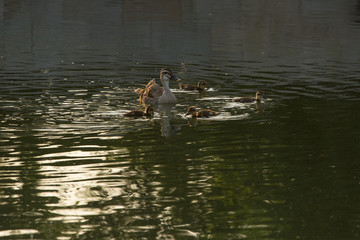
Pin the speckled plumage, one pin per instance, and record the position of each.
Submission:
(201, 86)
(153, 93)
(203, 113)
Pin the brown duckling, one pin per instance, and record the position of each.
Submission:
(259, 95)
(149, 111)
(201, 86)
(203, 113)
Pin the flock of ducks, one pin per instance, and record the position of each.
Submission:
(154, 94)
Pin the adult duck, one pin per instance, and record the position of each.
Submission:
(258, 96)
(153, 93)
(203, 113)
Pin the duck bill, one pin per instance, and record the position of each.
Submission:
(187, 113)
(173, 77)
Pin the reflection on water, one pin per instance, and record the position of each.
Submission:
(73, 167)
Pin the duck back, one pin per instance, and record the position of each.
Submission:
(135, 113)
(244, 99)
(205, 113)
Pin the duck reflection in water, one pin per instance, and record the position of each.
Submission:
(166, 115)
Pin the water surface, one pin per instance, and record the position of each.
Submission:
(72, 167)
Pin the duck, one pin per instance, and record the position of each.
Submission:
(201, 86)
(149, 111)
(153, 93)
(258, 96)
(203, 113)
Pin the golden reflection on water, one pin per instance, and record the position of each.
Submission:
(16, 232)
(78, 185)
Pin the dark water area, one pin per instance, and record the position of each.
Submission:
(72, 167)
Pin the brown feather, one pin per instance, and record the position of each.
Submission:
(245, 99)
(153, 93)
(203, 113)
(149, 110)
(152, 90)
(191, 87)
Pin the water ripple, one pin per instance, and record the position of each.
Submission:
(73, 167)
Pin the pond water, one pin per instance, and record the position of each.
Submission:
(72, 167)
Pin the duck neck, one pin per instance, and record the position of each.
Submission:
(166, 85)
(167, 96)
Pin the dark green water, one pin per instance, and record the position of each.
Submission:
(72, 167)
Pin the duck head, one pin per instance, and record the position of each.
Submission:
(191, 111)
(166, 74)
(202, 84)
(260, 95)
(149, 110)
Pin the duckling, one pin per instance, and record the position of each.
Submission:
(149, 111)
(203, 113)
(259, 95)
(153, 93)
(201, 86)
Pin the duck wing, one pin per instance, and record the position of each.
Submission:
(153, 89)
(188, 87)
(134, 113)
(150, 93)
(205, 113)
(244, 99)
